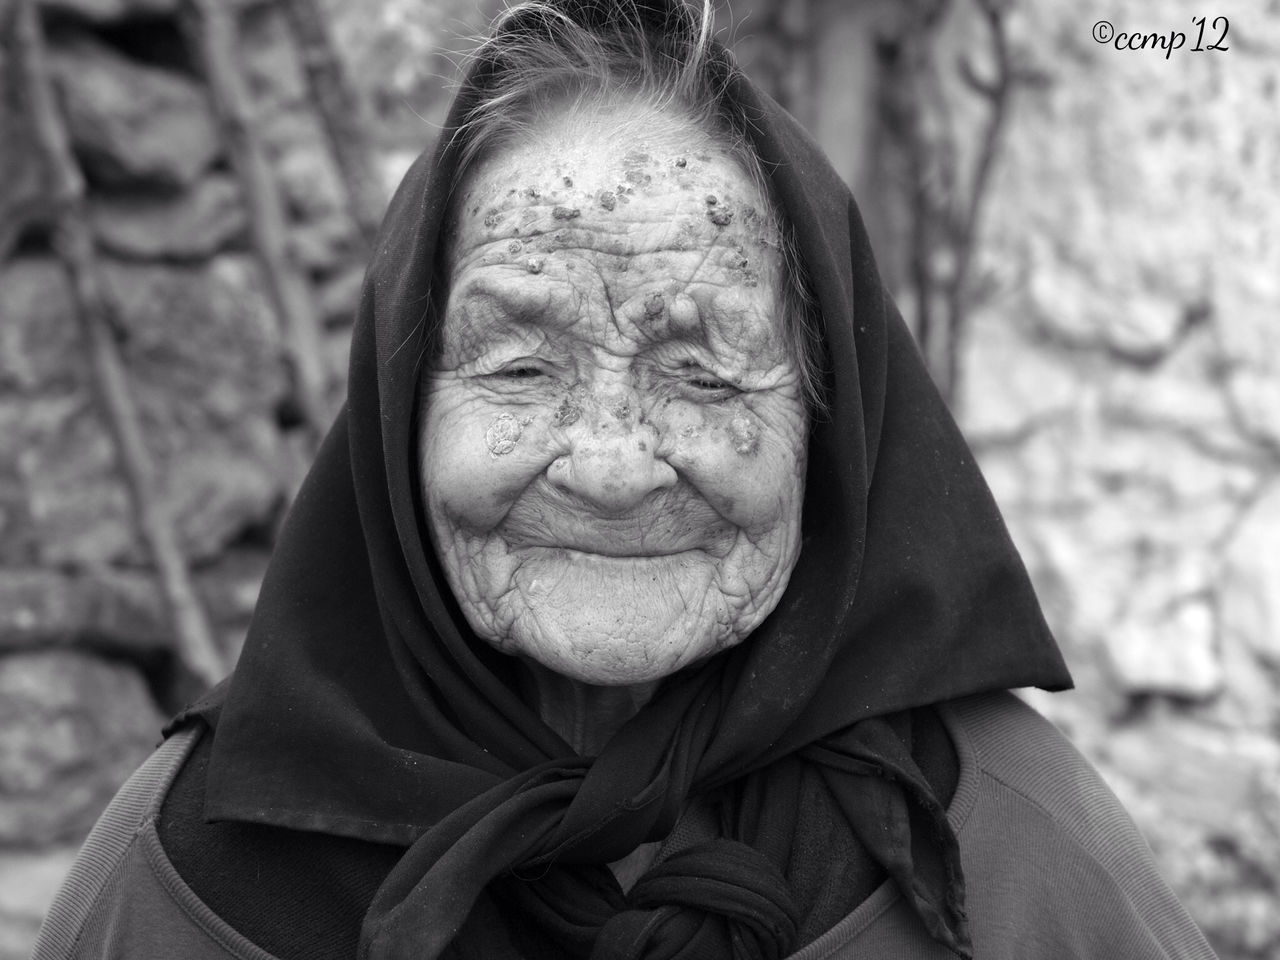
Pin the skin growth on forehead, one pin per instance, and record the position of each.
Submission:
(602, 184)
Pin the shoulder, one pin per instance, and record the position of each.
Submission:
(1008, 746)
(122, 896)
(1053, 863)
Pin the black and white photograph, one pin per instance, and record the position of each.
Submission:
(639, 480)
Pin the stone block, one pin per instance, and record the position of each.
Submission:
(130, 123)
(40, 349)
(1250, 594)
(205, 369)
(72, 729)
(192, 225)
(43, 607)
(321, 246)
(274, 71)
(76, 506)
(205, 366)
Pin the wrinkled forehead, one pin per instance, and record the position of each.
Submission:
(631, 230)
(610, 155)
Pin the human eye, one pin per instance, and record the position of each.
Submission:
(704, 384)
(521, 374)
(522, 370)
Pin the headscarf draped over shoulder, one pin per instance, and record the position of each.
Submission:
(363, 706)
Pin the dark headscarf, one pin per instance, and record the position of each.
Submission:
(363, 705)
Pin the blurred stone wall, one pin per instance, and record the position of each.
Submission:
(87, 665)
(1122, 391)
(1121, 387)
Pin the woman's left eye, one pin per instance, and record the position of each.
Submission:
(709, 383)
(705, 382)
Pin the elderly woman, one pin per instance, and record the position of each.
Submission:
(644, 602)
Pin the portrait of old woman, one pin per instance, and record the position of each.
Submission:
(644, 602)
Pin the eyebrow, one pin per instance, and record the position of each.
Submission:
(510, 298)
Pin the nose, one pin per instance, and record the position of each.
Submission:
(612, 461)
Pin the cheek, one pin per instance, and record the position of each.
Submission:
(476, 462)
(749, 464)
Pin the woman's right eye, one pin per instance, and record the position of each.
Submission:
(521, 372)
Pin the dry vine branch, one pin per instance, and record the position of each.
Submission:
(997, 92)
(944, 209)
(213, 32)
(74, 241)
(343, 114)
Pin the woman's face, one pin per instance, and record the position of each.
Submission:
(613, 436)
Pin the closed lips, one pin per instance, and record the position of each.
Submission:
(673, 523)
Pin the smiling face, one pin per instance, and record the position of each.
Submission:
(613, 436)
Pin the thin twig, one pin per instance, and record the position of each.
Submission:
(997, 92)
(213, 32)
(74, 242)
(343, 113)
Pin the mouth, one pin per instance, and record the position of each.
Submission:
(610, 551)
(663, 528)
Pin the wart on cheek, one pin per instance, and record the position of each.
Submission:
(504, 433)
(745, 435)
(570, 409)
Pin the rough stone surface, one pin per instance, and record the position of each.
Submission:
(61, 502)
(275, 73)
(130, 123)
(204, 366)
(28, 882)
(72, 728)
(204, 359)
(1122, 395)
(192, 225)
(324, 238)
(84, 627)
(40, 607)
(37, 340)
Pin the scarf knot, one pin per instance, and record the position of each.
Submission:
(716, 899)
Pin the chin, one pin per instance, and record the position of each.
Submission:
(617, 662)
(611, 620)
(616, 638)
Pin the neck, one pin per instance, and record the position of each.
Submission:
(585, 715)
